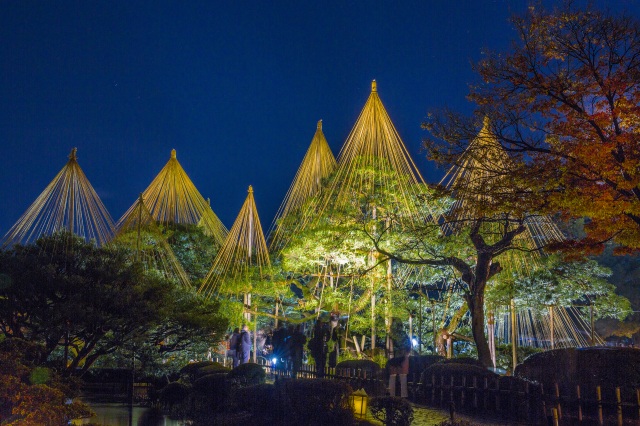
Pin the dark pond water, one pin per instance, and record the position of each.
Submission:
(110, 414)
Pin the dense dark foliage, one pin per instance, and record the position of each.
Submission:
(66, 293)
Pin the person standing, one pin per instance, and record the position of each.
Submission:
(298, 339)
(244, 351)
(318, 347)
(233, 344)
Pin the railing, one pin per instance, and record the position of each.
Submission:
(504, 398)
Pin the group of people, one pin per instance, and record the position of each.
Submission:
(287, 345)
(240, 346)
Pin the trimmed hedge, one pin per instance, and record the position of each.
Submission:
(215, 368)
(587, 367)
(417, 364)
(247, 375)
(191, 369)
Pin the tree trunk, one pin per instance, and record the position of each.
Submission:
(475, 301)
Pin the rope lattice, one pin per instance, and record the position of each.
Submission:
(317, 164)
(70, 203)
(243, 257)
(172, 198)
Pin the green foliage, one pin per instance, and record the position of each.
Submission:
(392, 410)
(555, 282)
(193, 248)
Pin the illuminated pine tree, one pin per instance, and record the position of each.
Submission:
(139, 232)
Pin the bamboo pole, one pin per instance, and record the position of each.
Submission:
(514, 337)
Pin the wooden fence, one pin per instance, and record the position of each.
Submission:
(503, 398)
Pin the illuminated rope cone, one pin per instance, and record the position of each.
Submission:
(70, 203)
(138, 230)
(479, 177)
(173, 199)
(243, 259)
(317, 164)
(374, 144)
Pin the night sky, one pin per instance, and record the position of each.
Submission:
(235, 87)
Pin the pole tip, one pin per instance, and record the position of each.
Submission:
(173, 153)
(250, 189)
(319, 124)
(374, 86)
(74, 154)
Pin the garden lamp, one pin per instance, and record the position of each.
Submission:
(359, 400)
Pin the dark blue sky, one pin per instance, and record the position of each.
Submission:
(235, 87)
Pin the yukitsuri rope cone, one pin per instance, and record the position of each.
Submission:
(243, 260)
(481, 174)
(373, 164)
(317, 164)
(68, 203)
(172, 198)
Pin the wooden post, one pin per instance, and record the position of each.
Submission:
(579, 403)
(464, 389)
(451, 387)
(555, 417)
(553, 342)
(527, 401)
(619, 406)
(433, 388)
(486, 393)
(514, 337)
(544, 404)
(475, 392)
(558, 401)
(255, 339)
(593, 340)
(599, 401)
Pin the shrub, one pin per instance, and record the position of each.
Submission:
(247, 375)
(318, 401)
(190, 370)
(417, 364)
(457, 371)
(215, 368)
(264, 402)
(208, 397)
(392, 411)
(587, 367)
(173, 398)
(30, 393)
